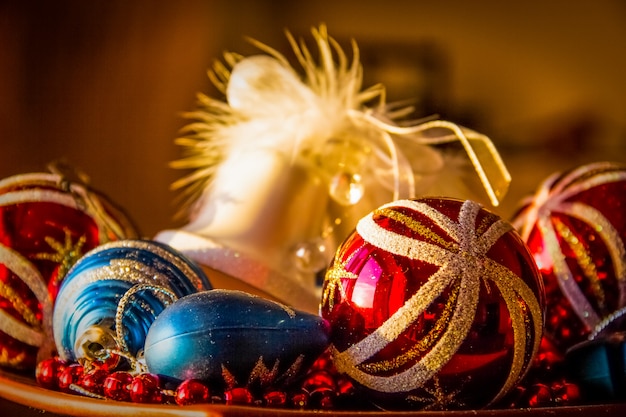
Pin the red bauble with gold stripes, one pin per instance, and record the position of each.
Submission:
(575, 225)
(46, 224)
(434, 303)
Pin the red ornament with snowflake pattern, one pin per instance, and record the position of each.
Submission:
(46, 224)
(575, 226)
(433, 303)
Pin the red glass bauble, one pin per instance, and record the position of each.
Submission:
(48, 371)
(117, 386)
(300, 400)
(146, 388)
(70, 376)
(433, 303)
(93, 380)
(275, 399)
(46, 224)
(575, 226)
(192, 391)
(238, 396)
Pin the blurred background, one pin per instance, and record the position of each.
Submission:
(102, 84)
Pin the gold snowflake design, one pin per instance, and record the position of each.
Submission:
(65, 254)
(463, 265)
(439, 400)
(333, 281)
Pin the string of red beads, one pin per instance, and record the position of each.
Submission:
(318, 390)
(322, 388)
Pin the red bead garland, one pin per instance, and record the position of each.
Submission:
(192, 391)
(116, 386)
(276, 399)
(93, 381)
(70, 376)
(318, 390)
(322, 388)
(238, 396)
(47, 372)
(146, 388)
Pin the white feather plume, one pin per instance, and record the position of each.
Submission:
(270, 105)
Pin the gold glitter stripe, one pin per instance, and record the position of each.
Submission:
(262, 374)
(229, 379)
(609, 235)
(433, 361)
(514, 291)
(564, 277)
(566, 188)
(492, 235)
(584, 261)
(486, 222)
(6, 359)
(529, 216)
(440, 219)
(19, 305)
(402, 245)
(422, 345)
(467, 226)
(19, 330)
(417, 227)
(27, 272)
(159, 251)
(399, 321)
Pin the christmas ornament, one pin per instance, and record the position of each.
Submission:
(599, 363)
(433, 303)
(318, 389)
(112, 295)
(192, 391)
(287, 145)
(47, 222)
(231, 339)
(575, 226)
(598, 366)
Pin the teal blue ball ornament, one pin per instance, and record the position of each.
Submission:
(598, 364)
(113, 294)
(229, 339)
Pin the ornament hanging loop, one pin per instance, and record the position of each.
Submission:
(484, 156)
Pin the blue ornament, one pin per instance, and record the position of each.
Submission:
(113, 294)
(598, 365)
(230, 338)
